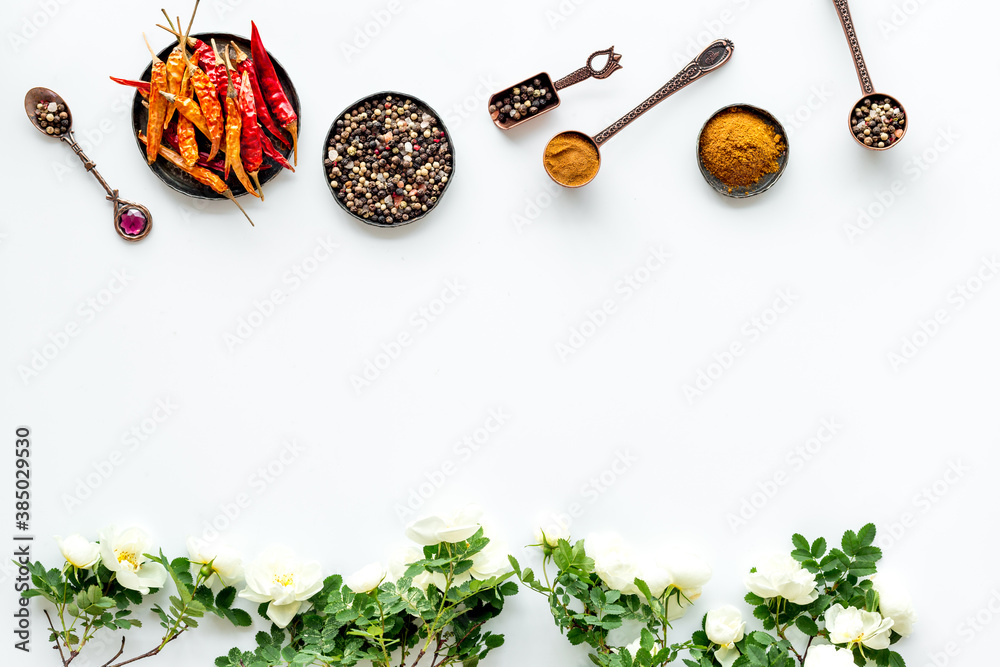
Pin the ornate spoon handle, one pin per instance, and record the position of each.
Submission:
(713, 57)
(132, 221)
(844, 12)
(589, 70)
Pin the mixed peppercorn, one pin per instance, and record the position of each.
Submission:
(52, 117)
(878, 125)
(521, 101)
(388, 159)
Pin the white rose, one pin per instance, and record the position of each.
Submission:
(457, 527)
(400, 561)
(122, 552)
(614, 562)
(895, 602)
(226, 564)
(283, 580)
(367, 578)
(551, 533)
(682, 571)
(725, 626)
(783, 576)
(854, 626)
(491, 561)
(79, 552)
(824, 655)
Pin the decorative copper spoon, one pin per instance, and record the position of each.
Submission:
(132, 221)
(549, 100)
(869, 95)
(712, 58)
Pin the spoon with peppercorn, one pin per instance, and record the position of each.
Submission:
(539, 94)
(877, 121)
(50, 114)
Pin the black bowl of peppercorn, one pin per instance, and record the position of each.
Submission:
(388, 159)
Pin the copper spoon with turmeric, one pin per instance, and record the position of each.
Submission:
(572, 159)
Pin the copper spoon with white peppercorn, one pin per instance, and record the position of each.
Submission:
(50, 114)
(877, 121)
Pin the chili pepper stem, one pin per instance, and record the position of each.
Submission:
(156, 58)
(260, 190)
(293, 129)
(229, 195)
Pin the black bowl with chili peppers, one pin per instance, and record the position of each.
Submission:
(388, 159)
(176, 178)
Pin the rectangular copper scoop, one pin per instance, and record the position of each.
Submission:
(537, 95)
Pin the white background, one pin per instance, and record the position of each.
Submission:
(525, 288)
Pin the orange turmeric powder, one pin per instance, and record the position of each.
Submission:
(739, 148)
(572, 159)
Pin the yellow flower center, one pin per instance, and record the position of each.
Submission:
(284, 579)
(128, 558)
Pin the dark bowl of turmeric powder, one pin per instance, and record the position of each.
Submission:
(742, 150)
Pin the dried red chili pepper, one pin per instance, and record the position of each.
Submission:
(251, 151)
(190, 110)
(271, 87)
(233, 127)
(201, 174)
(210, 108)
(157, 105)
(272, 152)
(245, 65)
(186, 140)
(141, 86)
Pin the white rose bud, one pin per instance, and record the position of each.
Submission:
(78, 551)
(366, 579)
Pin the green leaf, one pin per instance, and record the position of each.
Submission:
(866, 536)
(493, 641)
(818, 548)
(225, 598)
(850, 543)
(800, 543)
(807, 626)
(896, 660)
